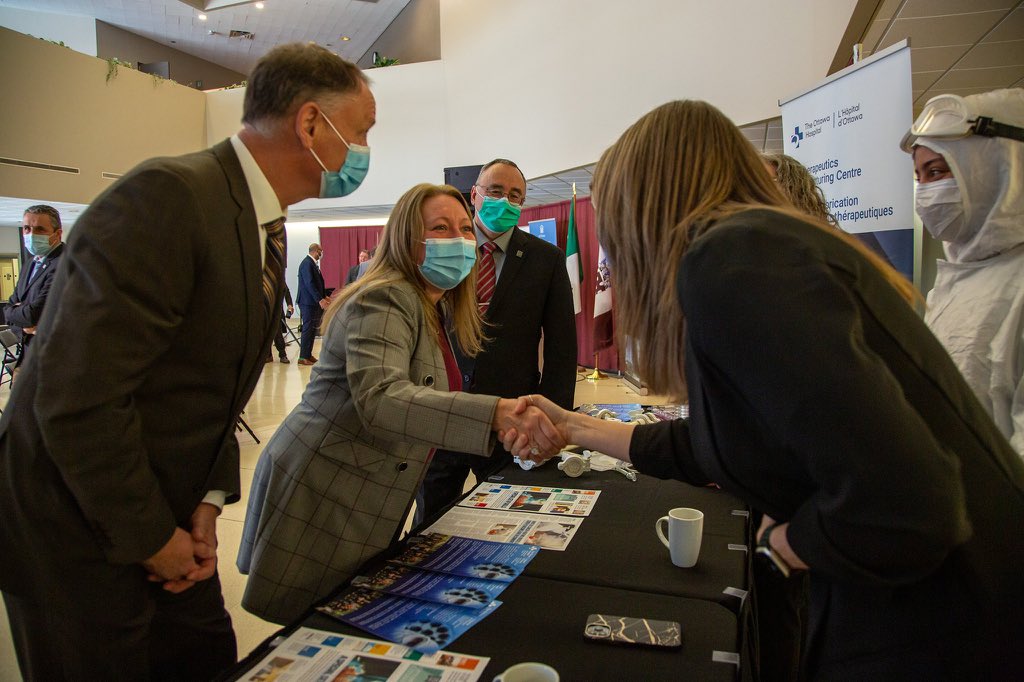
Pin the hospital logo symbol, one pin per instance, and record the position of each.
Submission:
(795, 138)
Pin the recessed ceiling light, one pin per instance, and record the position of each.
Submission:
(259, 5)
(202, 17)
(346, 38)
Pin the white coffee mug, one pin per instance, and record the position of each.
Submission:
(528, 672)
(685, 528)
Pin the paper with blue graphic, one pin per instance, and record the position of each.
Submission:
(473, 593)
(420, 625)
(323, 656)
(466, 557)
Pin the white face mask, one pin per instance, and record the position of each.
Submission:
(941, 208)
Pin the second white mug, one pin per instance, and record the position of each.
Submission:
(528, 672)
(685, 529)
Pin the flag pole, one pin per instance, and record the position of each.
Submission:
(597, 374)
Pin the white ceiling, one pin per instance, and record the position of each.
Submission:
(176, 24)
(959, 46)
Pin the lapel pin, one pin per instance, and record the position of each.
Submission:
(519, 254)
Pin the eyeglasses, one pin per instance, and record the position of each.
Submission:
(498, 192)
(950, 117)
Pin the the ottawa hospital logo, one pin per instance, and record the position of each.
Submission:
(795, 138)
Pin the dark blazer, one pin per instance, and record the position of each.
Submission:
(353, 274)
(533, 295)
(31, 293)
(123, 416)
(819, 396)
(311, 283)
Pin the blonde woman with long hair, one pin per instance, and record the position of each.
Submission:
(816, 395)
(798, 184)
(335, 483)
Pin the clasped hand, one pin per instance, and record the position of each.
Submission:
(188, 557)
(526, 444)
(542, 440)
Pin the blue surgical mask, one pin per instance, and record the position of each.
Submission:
(341, 183)
(448, 261)
(499, 215)
(38, 244)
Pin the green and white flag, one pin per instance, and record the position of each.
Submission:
(572, 255)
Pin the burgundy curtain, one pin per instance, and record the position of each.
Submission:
(341, 247)
(587, 234)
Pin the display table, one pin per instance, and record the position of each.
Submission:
(614, 565)
(617, 545)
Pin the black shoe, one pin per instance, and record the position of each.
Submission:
(285, 360)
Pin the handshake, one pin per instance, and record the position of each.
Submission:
(532, 427)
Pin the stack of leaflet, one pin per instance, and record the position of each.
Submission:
(635, 412)
(431, 593)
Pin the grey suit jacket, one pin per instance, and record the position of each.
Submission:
(335, 483)
(123, 416)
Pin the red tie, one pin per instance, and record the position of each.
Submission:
(486, 277)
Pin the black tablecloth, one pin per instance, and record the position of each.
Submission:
(542, 620)
(617, 547)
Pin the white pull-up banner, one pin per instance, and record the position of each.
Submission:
(846, 130)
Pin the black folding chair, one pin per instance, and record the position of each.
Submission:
(285, 328)
(240, 424)
(12, 350)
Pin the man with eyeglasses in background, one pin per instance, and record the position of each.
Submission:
(524, 295)
(41, 232)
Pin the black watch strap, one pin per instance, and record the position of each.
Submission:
(773, 558)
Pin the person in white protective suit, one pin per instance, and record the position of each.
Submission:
(969, 161)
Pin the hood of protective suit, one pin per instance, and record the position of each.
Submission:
(990, 174)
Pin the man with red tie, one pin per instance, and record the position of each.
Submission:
(524, 295)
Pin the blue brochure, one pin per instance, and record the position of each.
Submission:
(466, 557)
(419, 625)
(440, 588)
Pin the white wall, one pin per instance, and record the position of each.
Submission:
(78, 33)
(10, 240)
(552, 84)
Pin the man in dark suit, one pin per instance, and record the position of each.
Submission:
(118, 446)
(312, 300)
(41, 232)
(524, 294)
(353, 272)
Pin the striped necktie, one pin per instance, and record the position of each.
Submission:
(273, 266)
(486, 276)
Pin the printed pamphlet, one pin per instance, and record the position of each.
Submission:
(309, 655)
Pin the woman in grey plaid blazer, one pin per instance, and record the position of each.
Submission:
(335, 483)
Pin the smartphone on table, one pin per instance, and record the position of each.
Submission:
(633, 631)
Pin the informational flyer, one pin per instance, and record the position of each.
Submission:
(441, 588)
(629, 412)
(621, 411)
(464, 556)
(420, 625)
(560, 501)
(546, 531)
(309, 655)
